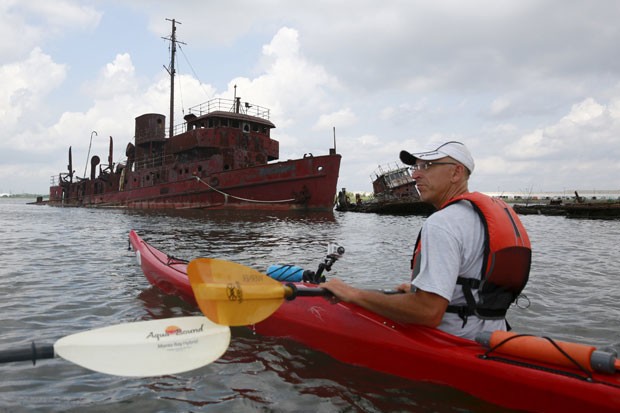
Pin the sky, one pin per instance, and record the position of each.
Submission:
(532, 87)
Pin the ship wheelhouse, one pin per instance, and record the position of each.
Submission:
(239, 139)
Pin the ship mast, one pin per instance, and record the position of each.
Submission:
(171, 70)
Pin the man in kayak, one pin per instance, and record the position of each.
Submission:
(471, 260)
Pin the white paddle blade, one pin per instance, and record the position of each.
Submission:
(147, 348)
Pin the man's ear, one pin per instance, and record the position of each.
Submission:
(458, 172)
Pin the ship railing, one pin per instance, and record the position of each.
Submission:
(178, 128)
(56, 180)
(229, 105)
(391, 172)
(154, 162)
(222, 105)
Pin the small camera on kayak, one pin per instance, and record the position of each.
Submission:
(335, 249)
(334, 252)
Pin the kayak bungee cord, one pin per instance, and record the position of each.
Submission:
(487, 355)
(587, 359)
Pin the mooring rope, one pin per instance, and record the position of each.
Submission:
(243, 199)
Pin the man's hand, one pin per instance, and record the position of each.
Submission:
(341, 290)
(404, 288)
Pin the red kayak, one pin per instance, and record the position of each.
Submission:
(359, 337)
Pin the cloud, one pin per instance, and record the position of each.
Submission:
(342, 118)
(590, 126)
(37, 22)
(499, 105)
(63, 14)
(24, 86)
(580, 150)
(117, 77)
(288, 83)
(585, 112)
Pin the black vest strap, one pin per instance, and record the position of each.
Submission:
(470, 309)
(464, 311)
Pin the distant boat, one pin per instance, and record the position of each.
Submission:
(219, 158)
(600, 209)
(540, 209)
(394, 192)
(593, 210)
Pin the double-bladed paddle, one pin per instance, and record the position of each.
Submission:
(139, 349)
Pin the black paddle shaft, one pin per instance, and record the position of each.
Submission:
(321, 292)
(33, 353)
(306, 292)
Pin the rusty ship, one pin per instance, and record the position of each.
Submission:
(221, 157)
(394, 192)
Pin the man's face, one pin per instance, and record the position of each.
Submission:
(434, 179)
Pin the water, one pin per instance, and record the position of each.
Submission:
(68, 270)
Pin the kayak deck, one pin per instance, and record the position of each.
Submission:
(356, 336)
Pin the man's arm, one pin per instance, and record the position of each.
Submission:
(419, 307)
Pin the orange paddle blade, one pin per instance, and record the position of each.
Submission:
(232, 294)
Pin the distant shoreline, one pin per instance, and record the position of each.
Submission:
(34, 196)
(568, 195)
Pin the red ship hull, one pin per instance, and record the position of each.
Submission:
(309, 183)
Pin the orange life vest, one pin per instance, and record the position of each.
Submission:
(506, 262)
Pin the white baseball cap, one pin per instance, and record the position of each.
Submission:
(453, 149)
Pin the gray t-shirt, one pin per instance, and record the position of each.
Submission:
(452, 246)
